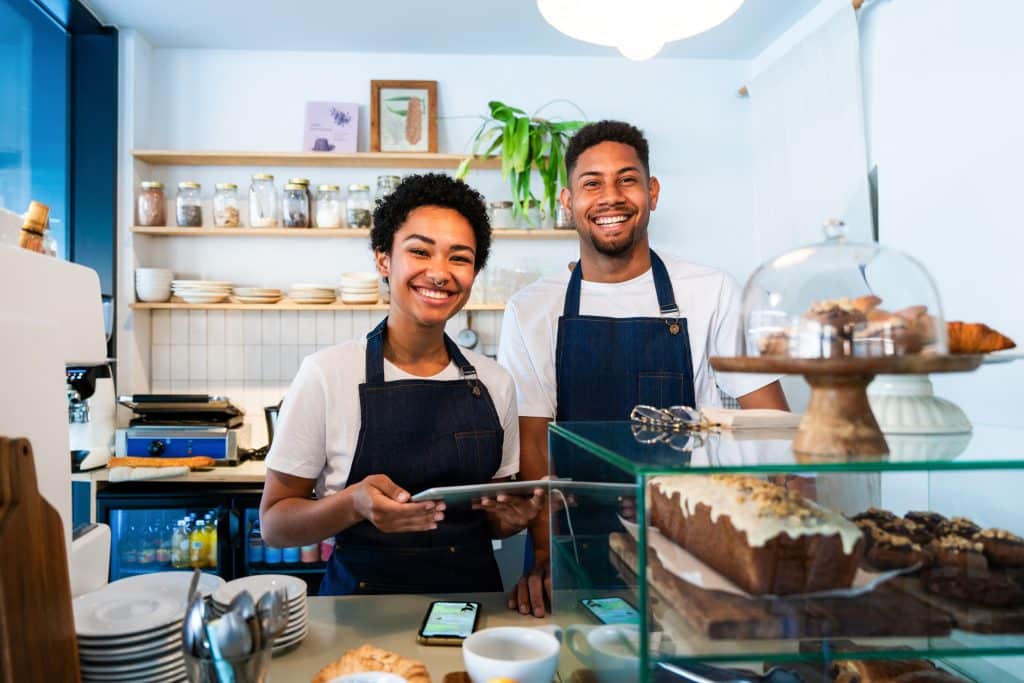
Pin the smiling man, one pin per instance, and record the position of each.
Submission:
(626, 327)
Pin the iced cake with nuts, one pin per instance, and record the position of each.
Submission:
(763, 538)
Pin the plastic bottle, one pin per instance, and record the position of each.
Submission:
(197, 545)
(180, 545)
(211, 539)
(310, 553)
(271, 555)
(291, 554)
(129, 545)
(255, 543)
(165, 530)
(326, 548)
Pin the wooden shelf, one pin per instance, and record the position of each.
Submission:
(164, 157)
(330, 232)
(284, 305)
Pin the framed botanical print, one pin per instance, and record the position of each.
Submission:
(403, 116)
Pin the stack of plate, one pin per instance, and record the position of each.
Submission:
(130, 630)
(257, 295)
(359, 288)
(312, 294)
(257, 585)
(201, 291)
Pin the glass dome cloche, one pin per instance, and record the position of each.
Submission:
(839, 299)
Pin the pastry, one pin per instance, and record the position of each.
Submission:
(927, 519)
(888, 551)
(962, 572)
(957, 526)
(912, 530)
(877, 670)
(774, 344)
(975, 338)
(370, 658)
(765, 539)
(196, 461)
(1001, 547)
(876, 515)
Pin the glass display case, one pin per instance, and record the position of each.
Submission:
(741, 554)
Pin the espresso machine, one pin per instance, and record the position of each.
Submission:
(91, 415)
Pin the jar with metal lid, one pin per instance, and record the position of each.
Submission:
(262, 201)
(187, 205)
(294, 206)
(309, 197)
(329, 207)
(500, 214)
(532, 217)
(358, 207)
(225, 206)
(386, 184)
(151, 206)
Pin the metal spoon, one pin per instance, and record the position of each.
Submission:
(193, 629)
(273, 612)
(243, 606)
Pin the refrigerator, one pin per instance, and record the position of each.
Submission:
(146, 533)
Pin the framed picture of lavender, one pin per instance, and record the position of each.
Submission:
(331, 127)
(403, 116)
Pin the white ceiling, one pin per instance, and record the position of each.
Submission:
(416, 26)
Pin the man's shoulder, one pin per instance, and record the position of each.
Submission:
(680, 268)
(537, 297)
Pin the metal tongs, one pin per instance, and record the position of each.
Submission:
(678, 427)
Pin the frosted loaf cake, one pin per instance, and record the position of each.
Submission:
(763, 538)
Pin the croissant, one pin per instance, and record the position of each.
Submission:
(975, 338)
(370, 658)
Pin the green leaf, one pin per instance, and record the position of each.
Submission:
(568, 126)
(495, 105)
(484, 137)
(463, 169)
(399, 112)
(506, 150)
(402, 98)
(524, 192)
(556, 167)
(521, 144)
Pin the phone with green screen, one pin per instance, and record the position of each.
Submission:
(448, 623)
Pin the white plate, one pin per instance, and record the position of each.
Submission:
(362, 290)
(172, 676)
(132, 606)
(359, 298)
(257, 291)
(283, 642)
(257, 300)
(202, 298)
(314, 301)
(200, 283)
(133, 639)
(362, 276)
(115, 653)
(258, 584)
(369, 677)
(299, 296)
(1003, 356)
(139, 665)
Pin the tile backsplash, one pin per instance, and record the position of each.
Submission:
(252, 356)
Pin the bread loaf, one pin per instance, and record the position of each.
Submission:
(196, 461)
(763, 538)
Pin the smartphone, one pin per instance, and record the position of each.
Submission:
(448, 623)
(611, 610)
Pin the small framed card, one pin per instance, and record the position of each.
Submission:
(331, 127)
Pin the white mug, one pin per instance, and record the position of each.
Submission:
(611, 651)
(524, 654)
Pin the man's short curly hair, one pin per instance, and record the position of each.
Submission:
(606, 131)
(431, 189)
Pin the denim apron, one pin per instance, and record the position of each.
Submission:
(421, 433)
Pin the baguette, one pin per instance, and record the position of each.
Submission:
(193, 462)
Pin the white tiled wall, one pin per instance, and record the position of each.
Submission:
(252, 356)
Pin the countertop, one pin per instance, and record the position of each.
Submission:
(251, 471)
(337, 624)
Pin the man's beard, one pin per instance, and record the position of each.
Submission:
(617, 247)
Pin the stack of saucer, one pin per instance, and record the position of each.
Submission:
(257, 295)
(130, 630)
(258, 584)
(312, 294)
(153, 284)
(359, 288)
(201, 291)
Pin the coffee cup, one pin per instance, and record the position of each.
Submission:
(611, 651)
(524, 654)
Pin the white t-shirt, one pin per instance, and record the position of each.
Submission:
(708, 298)
(318, 427)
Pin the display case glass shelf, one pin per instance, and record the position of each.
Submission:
(809, 571)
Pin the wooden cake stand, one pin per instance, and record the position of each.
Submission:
(839, 421)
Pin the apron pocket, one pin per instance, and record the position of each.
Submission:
(660, 389)
(479, 455)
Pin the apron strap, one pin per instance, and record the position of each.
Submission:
(375, 356)
(662, 287)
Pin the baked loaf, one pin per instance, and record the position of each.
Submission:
(975, 338)
(763, 538)
(370, 658)
(890, 671)
(196, 461)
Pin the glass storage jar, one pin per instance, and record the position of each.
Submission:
(328, 207)
(501, 215)
(151, 206)
(358, 207)
(262, 201)
(309, 197)
(225, 206)
(294, 206)
(187, 205)
(532, 216)
(386, 184)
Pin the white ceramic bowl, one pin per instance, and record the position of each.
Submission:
(153, 293)
(357, 279)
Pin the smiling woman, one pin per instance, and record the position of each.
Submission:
(371, 422)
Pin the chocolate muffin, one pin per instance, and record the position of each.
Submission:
(926, 518)
(1002, 548)
(962, 572)
(912, 530)
(890, 551)
(876, 515)
(957, 526)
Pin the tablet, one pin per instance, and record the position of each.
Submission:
(464, 495)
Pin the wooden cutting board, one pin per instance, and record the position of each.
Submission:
(976, 618)
(37, 626)
(885, 611)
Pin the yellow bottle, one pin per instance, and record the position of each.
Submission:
(197, 545)
(180, 546)
(211, 541)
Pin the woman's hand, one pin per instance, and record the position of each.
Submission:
(385, 504)
(510, 514)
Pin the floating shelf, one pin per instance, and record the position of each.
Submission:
(164, 157)
(285, 305)
(331, 232)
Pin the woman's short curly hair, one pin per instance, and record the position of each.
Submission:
(431, 189)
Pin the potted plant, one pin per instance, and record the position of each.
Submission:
(526, 143)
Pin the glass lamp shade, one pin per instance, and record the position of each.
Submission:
(640, 28)
(840, 299)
